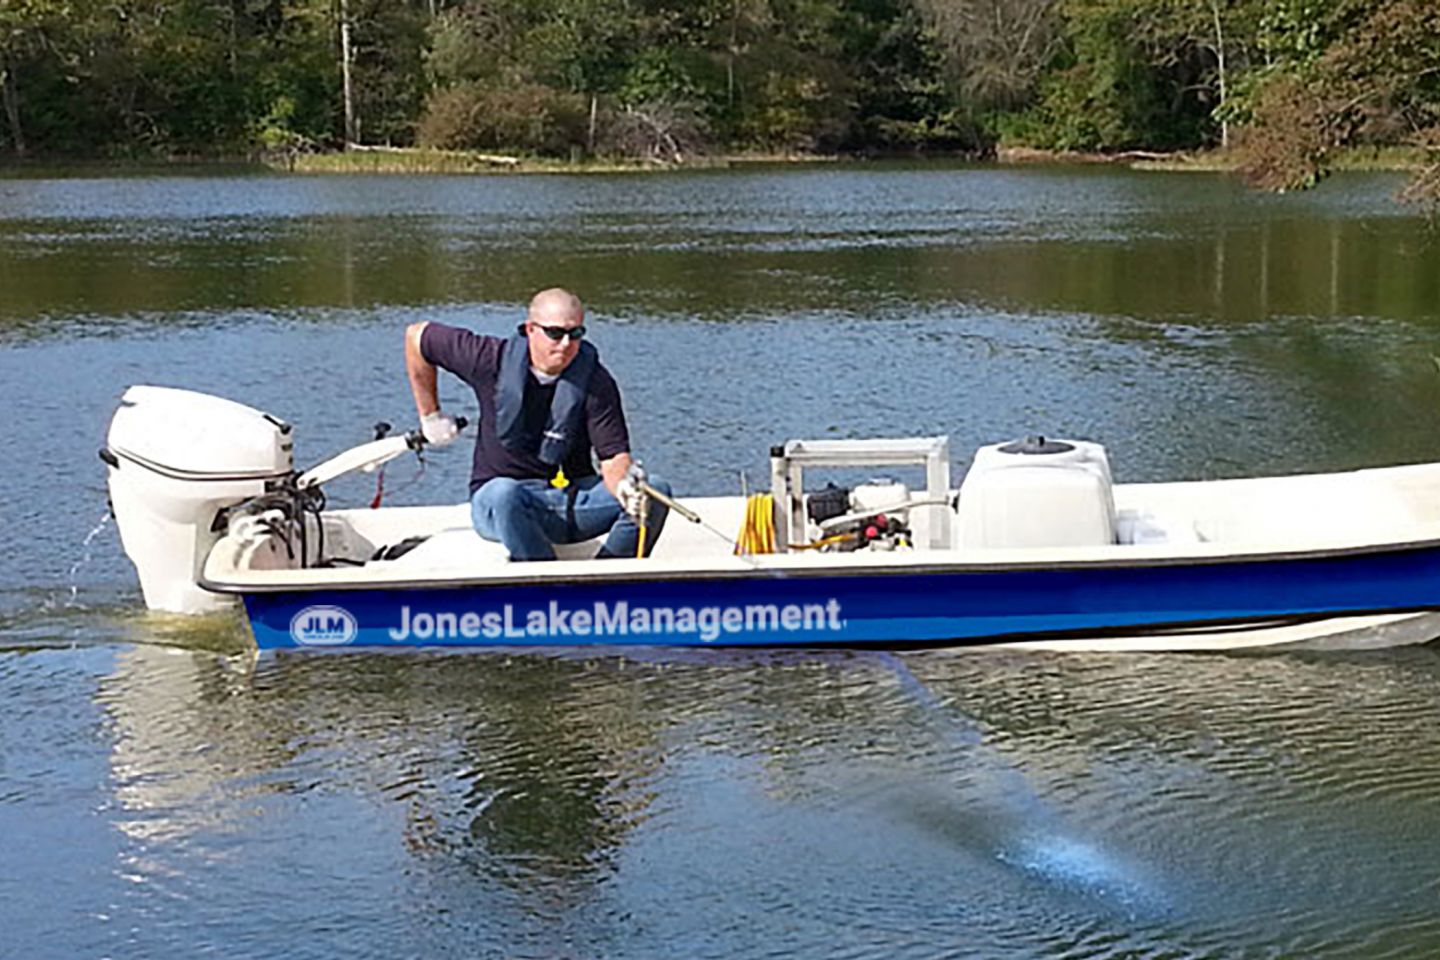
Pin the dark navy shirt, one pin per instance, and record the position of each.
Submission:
(476, 359)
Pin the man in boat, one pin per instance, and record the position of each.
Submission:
(546, 401)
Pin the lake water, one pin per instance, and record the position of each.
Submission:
(161, 795)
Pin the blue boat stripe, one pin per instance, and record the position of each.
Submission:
(899, 608)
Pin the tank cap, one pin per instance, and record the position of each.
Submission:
(1037, 444)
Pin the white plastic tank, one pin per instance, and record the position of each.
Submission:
(1037, 493)
(175, 459)
(880, 493)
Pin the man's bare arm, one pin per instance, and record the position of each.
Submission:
(422, 373)
(612, 470)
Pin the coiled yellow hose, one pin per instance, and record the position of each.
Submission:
(757, 532)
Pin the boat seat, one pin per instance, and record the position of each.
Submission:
(463, 548)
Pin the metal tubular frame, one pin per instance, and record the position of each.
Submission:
(787, 464)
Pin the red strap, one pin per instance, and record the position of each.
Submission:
(379, 488)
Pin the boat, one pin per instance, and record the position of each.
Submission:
(1035, 547)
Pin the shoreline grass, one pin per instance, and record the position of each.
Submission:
(419, 160)
(1349, 159)
(416, 160)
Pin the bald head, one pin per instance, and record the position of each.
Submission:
(556, 308)
(554, 325)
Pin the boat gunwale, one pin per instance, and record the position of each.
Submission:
(598, 575)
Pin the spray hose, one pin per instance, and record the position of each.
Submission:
(679, 508)
(757, 532)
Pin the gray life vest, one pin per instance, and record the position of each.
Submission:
(566, 408)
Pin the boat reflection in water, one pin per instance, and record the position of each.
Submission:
(531, 774)
(513, 768)
(548, 800)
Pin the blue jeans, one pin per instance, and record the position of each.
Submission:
(530, 516)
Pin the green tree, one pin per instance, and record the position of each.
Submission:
(30, 33)
(1376, 82)
(292, 97)
(1138, 74)
(996, 50)
(389, 39)
(527, 69)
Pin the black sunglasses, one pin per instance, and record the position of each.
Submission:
(560, 333)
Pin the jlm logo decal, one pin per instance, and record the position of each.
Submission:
(323, 627)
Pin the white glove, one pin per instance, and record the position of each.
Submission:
(439, 428)
(629, 493)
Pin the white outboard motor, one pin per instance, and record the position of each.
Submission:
(177, 458)
(1037, 493)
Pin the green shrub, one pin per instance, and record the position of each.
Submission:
(527, 117)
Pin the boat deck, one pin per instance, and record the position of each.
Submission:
(1159, 523)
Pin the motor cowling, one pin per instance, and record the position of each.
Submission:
(176, 459)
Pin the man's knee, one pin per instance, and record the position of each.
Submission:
(496, 504)
(499, 495)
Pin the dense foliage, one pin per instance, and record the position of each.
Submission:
(670, 79)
